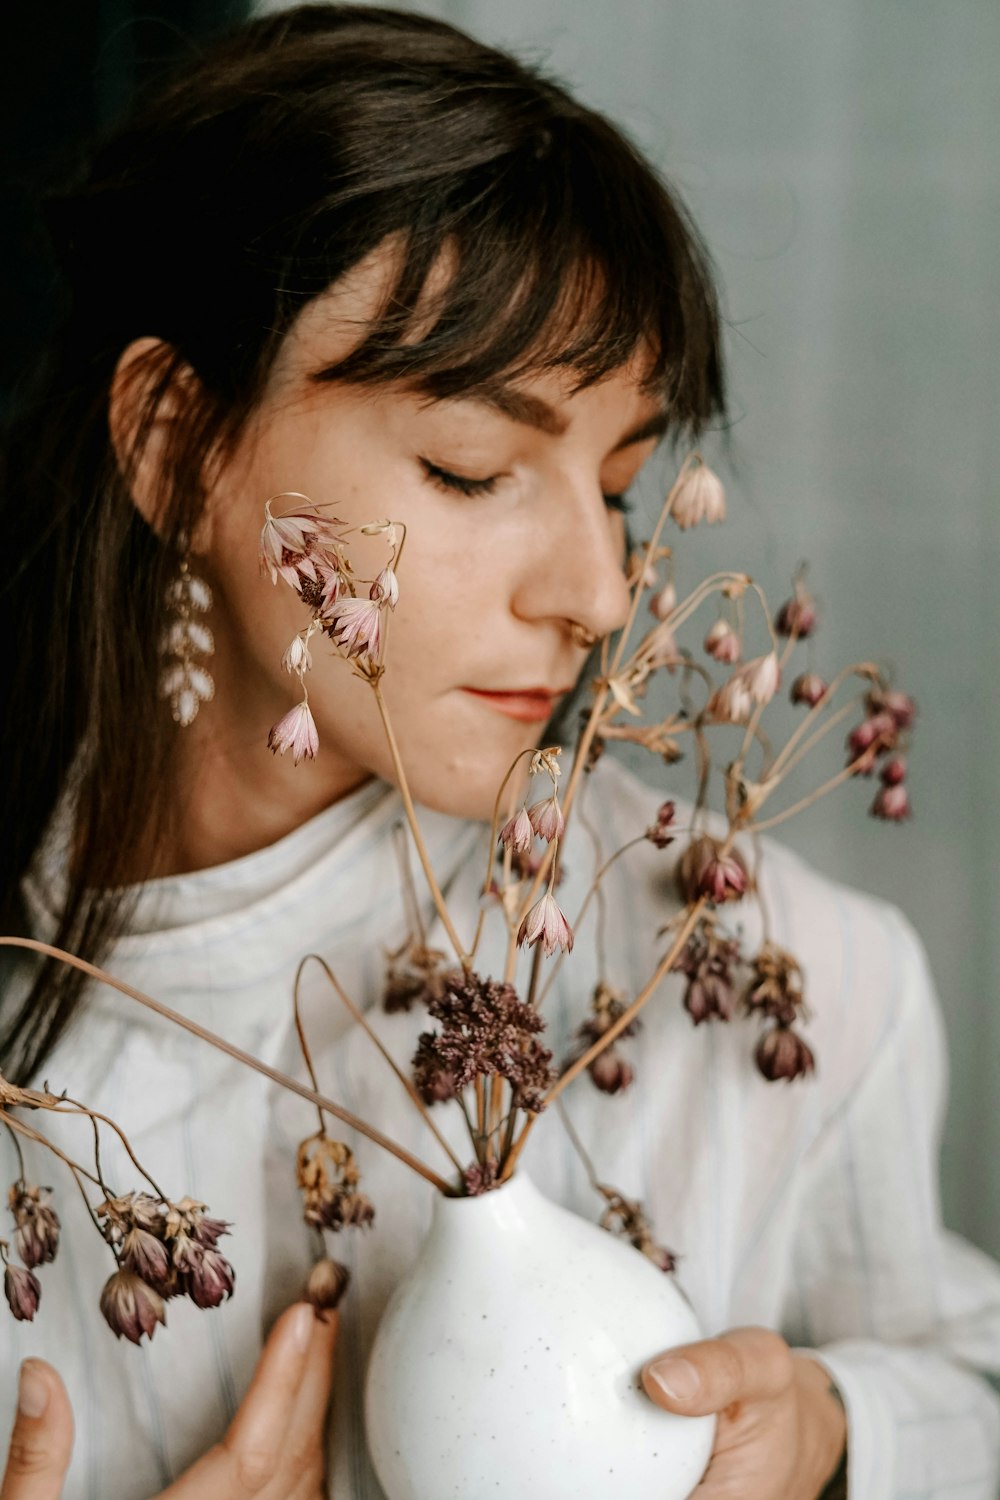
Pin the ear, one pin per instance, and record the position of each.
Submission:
(149, 371)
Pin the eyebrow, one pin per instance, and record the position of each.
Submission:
(532, 411)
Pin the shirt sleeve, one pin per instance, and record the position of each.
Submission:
(872, 1255)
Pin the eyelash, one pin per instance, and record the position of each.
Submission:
(459, 484)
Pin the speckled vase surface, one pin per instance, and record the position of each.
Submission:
(507, 1362)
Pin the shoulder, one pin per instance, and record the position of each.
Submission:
(866, 978)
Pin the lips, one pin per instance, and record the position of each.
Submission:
(529, 705)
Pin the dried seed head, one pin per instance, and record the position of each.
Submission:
(327, 1283)
(808, 688)
(22, 1291)
(36, 1224)
(660, 833)
(328, 1177)
(486, 1030)
(206, 1276)
(782, 1053)
(775, 989)
(147, 1257)
(704, 871)
(610, 1071)
(624, 1216)
(708, 960)
(130, 1307)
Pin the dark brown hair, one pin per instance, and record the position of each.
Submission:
(230, 198)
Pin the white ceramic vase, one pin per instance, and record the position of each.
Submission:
(506, 1363)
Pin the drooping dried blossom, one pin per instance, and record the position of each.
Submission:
(36, 1224)
(130, 1307)
(700, 497)
(723, 643)
(416, 975)
(808, 688)
(480, 1178)
(624, 1216)
(775, 989)
(328, 1177)
(545, 924)
(485, 1029)
(609, 1070)
(355, 625)
(893, 771)
(763, 677)
(900, 706)
(708, 960)
(295, 731)
(797, 616)
(869, 740)
(546, 818)
(386, 588)
(705, 871)
(518, 832)
(296, 545)
(148, 1258)
(664, 602)
(661, 832)
(298, 657)
(892, 804)
(732, 703)
(782, 1053)
(205, 1275)
(327, 1283)
(547, 761)
(22, 1290)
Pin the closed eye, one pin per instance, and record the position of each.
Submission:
(462, 484)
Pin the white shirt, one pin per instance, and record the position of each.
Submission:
(810, 1207)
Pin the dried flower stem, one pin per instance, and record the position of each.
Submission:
(857, 669)
(821, 791)
(824, 729)
(312, 1096)
(616, 1027)
(411, 817)
(96, 1115)
(76, 1171)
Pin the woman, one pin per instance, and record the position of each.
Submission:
(355, 255)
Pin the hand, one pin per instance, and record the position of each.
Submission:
(781, 1427)
(274, 1449)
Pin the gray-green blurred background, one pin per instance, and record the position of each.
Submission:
(841, 160)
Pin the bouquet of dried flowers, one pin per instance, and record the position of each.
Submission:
(482, 1052)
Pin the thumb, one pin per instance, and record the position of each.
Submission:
(42, 1437)
(745, 1364)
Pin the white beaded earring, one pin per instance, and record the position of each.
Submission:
(185, 681)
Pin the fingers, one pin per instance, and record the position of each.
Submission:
(317, 1381)
(745, 1364)
(42, 1437)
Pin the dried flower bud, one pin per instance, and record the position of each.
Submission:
(546, 924)
(22, 1291)
(775, 988)
(385, 589)
(808, 688)
(546, 819)
(708, 960)
(625, 1217)
(892, 804)
(546, 760)
(763, 677)
(207, 1277)
(659, 833)
(298, 657)
(518, 832)
(297, 732)
(704, 870)
(723, 643)
(699, 497)
(782, 1053)
(37, 1225)
(610, 1071)
(130, 1307)
(797, 616)
(327, 1283)
(663, 603)
(893, 771)
(900, 707)
(148, 1258)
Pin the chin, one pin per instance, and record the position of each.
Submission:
(465, 785)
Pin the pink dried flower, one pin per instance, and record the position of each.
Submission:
(486, 1030)
(893, 771)
(892, 804)
(386, 588)
(732, 703)
(147, 1257)
(23, 1292)
(661, 832)
(900, 706)
(723, 643)
(797, 616)
(290, 545)
(700, 497)
(782, 1053)
(518, 832)
(36, 1224)
(298, 657)
(206, 1276)
(610, 1071)
(546, 818)
(327, 1283)
(356, 626)
(664, 602)
(708, 961)
(131, 1308)
(808, 688)
(297, 732)
(704, 870)
(870, 739)
(763, 677)
(546, 924)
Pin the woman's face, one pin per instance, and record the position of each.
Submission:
(499, 562)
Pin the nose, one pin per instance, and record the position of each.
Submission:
(574, 564)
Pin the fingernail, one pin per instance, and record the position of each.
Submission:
(32, 1392)
(678, 1378)
(302, 1321)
